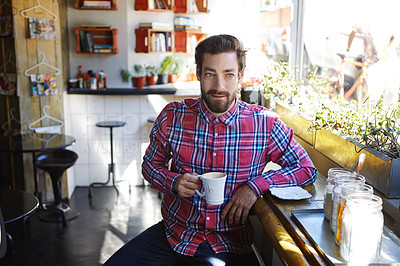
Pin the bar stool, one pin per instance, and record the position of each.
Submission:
(110, 125)
(55, 163)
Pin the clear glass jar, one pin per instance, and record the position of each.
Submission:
(346, 190)
(329, 184)
(362, 229)
(336, 194)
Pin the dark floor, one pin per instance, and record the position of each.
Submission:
(103, 226)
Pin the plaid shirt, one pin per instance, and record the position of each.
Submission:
(239, 143)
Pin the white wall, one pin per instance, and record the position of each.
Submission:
(236, 17)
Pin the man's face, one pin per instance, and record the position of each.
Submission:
(219, 81)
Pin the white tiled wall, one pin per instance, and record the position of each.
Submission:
(82, 112)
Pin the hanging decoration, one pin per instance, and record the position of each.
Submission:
(42, 29)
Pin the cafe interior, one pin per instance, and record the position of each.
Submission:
(83, 81)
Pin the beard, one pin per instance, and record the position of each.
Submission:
(218, 105)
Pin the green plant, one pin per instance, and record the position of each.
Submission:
(177, 67)
(167, 65)
(279, 82)
(151, 71)
(125, 74)
(140, 70)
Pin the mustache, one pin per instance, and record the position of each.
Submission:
(224, 93)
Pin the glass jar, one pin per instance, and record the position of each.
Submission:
(362, 229)
(329, 184)
(346, 190)
(336, 194)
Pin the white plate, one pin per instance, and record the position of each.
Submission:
(290, 193)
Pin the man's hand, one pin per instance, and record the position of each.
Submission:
(239, 206)
(186, 184)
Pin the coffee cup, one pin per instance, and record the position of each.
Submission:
(214, 187)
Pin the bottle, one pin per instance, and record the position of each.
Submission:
(329, 184)
(346, 190)
(362, 229)
(93, 81)
(80, 77)
(336, 194)
(100, 82)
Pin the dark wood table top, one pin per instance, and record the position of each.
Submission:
(110, 124)
(17, 204)
(32, 142)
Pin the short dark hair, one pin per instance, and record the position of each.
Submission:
(217, 44)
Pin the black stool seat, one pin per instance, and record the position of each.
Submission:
(55, 163)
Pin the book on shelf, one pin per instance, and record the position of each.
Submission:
(95, 26)
(90, 42)
(83, 41)
(102, 46)
(103, 50)
(160, 4)
(96, 4)
(187, 27)
(155, 25)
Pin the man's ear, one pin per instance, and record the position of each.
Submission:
(241, 74)
(198, 74)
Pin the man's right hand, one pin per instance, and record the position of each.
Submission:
(186, 184)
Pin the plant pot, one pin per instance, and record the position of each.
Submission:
(172, 78)
(297, 122)
(380, 171)
(151, 80)
(162, 79)
(138, 82)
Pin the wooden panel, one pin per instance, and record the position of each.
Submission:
(27, 51)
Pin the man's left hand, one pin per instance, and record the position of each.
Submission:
(237, 209)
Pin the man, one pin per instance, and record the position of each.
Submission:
(218, 133)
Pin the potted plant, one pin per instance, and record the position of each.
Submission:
(139, 78)
(151, 75)
(166, 66)
(175, 71)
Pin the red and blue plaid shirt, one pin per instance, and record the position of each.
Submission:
(239, 143)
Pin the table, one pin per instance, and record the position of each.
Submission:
(34, 143)
(16, 205)
(300, 241)
(110, 125)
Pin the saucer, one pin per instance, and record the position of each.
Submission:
(290, 193)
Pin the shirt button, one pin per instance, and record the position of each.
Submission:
(208, 218)
(216, 134)
(214, 154)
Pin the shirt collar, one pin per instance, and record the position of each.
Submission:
(226, 118)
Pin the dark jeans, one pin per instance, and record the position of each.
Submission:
(151, 248)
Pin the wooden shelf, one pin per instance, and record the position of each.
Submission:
(182, 6)
(101, 36)
(143, 5)
(79, 5)
(150, 40)
(187, 40)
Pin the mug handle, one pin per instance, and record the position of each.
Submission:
(198, 192)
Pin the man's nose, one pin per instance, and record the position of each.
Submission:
(219, 82)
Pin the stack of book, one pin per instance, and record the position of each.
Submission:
(88, 45)
(158, 4)
(97, 4)
(160, 42)
(103, 48)
(155, 26)
(185, 23)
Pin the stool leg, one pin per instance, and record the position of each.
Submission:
(110, 170)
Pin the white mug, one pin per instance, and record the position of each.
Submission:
(214, 187)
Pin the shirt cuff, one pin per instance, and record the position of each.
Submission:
(170, 182)
(259, 185)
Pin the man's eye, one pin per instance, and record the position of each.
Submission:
(208, 75)
(230, 75)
